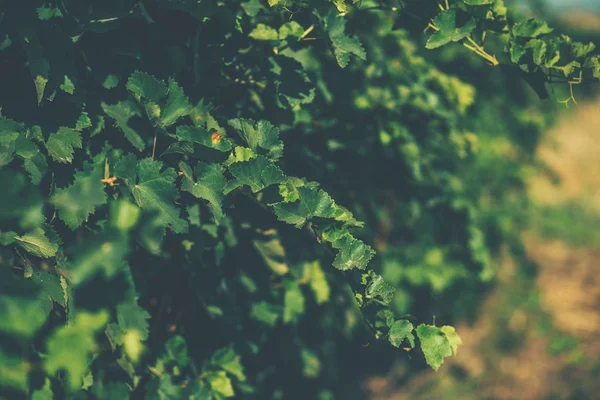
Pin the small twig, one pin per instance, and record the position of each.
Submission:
(307, 31)
(154, 146)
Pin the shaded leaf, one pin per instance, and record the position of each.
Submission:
(62, 144)
(400, 331)
(77, 202)
(343, 45)
(258, 173)
(352, 253)
(153, 189)
(41, 242)
(147, 86)
(531, 28)
(208, 185)
(196, 134)
(177, 104)
(122, 112)
(449, 30)
(261, 136)
(378, 287)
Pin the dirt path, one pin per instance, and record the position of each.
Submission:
(536, 340)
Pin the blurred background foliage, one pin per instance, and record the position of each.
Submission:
(535, 334)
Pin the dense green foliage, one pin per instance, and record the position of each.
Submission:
(194, 191)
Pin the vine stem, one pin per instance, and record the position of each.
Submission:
(575, 81)
(480, 51)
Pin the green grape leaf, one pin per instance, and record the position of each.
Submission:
(131, 316)
(70, 346)
(531, 28)
(21, 316)
(83, 122)
(312, 202)
(538, 48)
(311, 365)
(46, 12)
(341, 5)
(123, 215)
(153, 189)
(147, 86)
(273, 254)
(434, 344)
(196, 134)
(152, 233)
(50, 289)
(20, 201)
(377, 287)
(25, 302)
(579, 49)
(567, 69)
(122, 112)
(318, 283)
(452, 337)
(177, 350)
(293, 302)
(252, 7)
(34, 161)
(227, 359)
(220, 383)
(13, 372)
(177, 104)
(77, 202)
(67, 86)
(110, 82)
(240, 154)
(42, 242)
(164, 389)
(258, 173)
(448, 29)
(265, 312)
(10, 132)
(264, 32)
(209, 185)
(400, 331)
(7, 238)
(62, 144)
(353, 253)
(260, 136)
(343, 45)
(103, 252)
(291, 28)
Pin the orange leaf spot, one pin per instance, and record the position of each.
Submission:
(216, 138)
